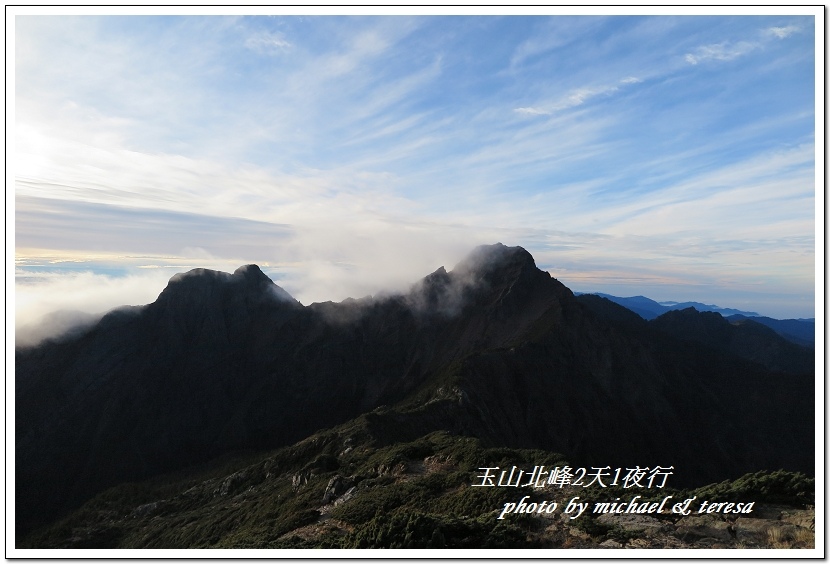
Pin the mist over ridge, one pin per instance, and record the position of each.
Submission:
(48, 313)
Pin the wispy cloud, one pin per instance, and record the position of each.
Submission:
(552, 34)
(267, 43)
(576, 97)
(730, 50)
(782, 32)
(725, 51)
(532, 111)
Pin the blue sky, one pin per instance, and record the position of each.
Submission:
(670, 156)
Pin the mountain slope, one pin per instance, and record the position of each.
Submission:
(744, 339)
(798, 331)
(650, 309)
(641, 305)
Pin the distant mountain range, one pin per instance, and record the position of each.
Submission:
(496, 351)
(799, 331)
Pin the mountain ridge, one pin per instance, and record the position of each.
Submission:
(495, 349)
(798, 331)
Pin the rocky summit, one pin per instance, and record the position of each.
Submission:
(223, 369)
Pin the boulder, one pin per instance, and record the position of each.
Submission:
(704, 526)
(750, 528)
(610, 544)
(635, 523)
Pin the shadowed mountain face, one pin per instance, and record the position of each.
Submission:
(495, 349)
(650, 309)
(743, 338)
(798, 331)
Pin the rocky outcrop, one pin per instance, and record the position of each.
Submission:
(336, 487)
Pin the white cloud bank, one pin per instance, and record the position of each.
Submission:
(39, 295)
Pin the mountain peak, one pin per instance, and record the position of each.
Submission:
(199, 284)
(193, 279)
(496, 264)
(491, 257)
(489, 273)
(250, 271)
(254, 278)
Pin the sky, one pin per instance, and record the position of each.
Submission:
(666, 156)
